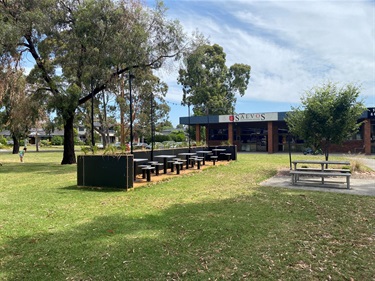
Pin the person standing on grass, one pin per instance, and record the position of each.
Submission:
(22, 153)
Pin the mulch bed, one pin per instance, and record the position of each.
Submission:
(164, 177)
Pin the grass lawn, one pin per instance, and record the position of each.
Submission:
(215, 225)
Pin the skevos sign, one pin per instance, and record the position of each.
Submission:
(248, 117)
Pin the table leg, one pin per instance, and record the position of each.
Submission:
(165, 165)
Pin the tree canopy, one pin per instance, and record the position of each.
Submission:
(328, 115)
(208, 84)
(80, 48)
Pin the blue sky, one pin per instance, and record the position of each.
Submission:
(290, 45)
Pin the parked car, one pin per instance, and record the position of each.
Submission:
(312, 152)
(140, 145)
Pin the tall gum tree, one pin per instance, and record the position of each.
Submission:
(81, 47)
(208, 84)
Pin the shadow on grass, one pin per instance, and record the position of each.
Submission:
(37, 168)
(93, 189)
(238, 238)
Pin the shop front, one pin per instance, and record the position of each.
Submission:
(268, 132)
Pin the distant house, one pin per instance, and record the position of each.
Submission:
(41, 134)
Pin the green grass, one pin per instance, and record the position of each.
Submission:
(219, 224)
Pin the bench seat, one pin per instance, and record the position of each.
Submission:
(318, 173)
(325, 170)
(147, 171)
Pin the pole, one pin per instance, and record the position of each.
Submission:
(290, 152)
(122, 121)
(189, 128)
(131, 111)
(152, 126)
(208, 128)
(92, 115)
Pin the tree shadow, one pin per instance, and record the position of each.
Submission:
(36, 168)
(92, 189)
(185, 240)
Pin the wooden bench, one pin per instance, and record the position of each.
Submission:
(297, 173)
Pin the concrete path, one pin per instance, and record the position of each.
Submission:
(359, 186)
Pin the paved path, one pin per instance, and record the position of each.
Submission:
(358, 186)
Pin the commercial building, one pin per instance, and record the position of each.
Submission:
(268, 132)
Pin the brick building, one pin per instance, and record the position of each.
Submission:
(268, 132)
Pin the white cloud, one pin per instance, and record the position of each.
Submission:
(291, 45)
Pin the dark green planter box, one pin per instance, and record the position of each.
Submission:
(105, 171)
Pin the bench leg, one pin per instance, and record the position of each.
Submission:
(348, 182)
(148, 175)
(178, 166)
(199, 164)
(143, 174)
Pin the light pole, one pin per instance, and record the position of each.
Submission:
(131, 76)
(92, 115)
(189, 127)
(152, 126)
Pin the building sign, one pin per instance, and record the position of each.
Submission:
(249, 117)
(371, 112)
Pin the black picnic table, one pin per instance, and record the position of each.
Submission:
(165, 157)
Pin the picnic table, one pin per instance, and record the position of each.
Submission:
(321, 172)
(204, 153)
(136, 161)
(318, 162)
(165, 158)
(187, 154)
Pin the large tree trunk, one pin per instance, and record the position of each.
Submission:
(69, 154)
(16, 145)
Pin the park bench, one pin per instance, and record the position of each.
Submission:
(179, 166)
(146, 171)
(157, 166)
(213, 158)
(226, 155)
(197, 160)
(321, 172)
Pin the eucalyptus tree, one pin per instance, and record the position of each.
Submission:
(208, 84)
(81, 47)
(150, 107)
(19, 111)
(328, 115)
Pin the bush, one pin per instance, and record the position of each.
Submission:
(57, 140)
(178, 136)
(161, 138)
(45, 143)
(3, 141)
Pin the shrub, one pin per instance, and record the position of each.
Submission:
(3, 141)
(45, 143)
(57, 140)
(85, 149)
(161, 138)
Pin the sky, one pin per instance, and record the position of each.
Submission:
(291, 46)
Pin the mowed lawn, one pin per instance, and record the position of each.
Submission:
(218, 224)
